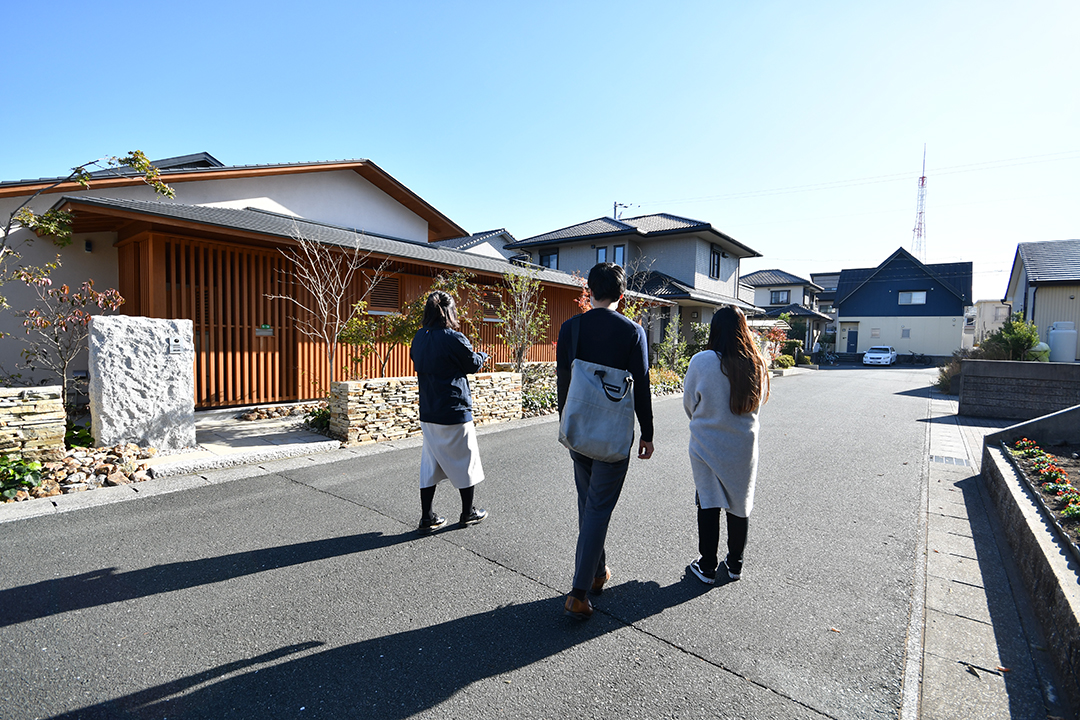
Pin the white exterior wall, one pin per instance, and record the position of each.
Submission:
(988, 319)
(728, 282)
(929, 335)
(763, 295)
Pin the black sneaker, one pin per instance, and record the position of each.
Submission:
(733, 572)
(709, 578)
(430, 525)
(472, 517)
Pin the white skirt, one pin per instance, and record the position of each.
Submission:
(450, 452)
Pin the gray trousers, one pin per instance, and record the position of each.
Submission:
(598, 487)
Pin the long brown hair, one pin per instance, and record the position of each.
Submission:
(740, 360)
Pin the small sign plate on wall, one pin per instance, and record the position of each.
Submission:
(264, 331)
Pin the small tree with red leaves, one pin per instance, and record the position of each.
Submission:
(58, 328)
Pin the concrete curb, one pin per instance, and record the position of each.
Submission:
(1046, 566)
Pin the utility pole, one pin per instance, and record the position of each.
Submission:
(615, 209)
(918, 240)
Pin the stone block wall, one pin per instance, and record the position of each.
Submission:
(1017, 390)
(365, 411)
(32, 422)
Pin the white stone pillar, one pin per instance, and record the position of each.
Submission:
(142, 381)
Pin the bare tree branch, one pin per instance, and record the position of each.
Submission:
(326, 274)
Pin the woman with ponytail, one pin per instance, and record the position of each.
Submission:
(723, 389)
(443, 357)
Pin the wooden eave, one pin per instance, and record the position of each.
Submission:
(440, 227)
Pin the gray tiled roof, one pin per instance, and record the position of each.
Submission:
(763, 278)
(642, 227)
(666, 287)
(797, 310)
(468, 241)
(285, 226)
(1051, 261)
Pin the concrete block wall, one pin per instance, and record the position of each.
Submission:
(376, 410)
(1017, 390)
(32, 422)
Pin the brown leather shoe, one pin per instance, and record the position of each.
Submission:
(580, 609)
(598, 583)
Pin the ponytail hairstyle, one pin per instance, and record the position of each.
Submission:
(440, 311)
(740, 360)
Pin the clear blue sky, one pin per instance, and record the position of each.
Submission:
(534, 116)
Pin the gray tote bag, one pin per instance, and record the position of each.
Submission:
(598, 415)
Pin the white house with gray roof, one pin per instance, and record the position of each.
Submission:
(1044, 284)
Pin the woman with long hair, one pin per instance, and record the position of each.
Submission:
(443, 357)
(723, 389)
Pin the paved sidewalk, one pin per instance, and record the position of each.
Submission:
(983, 653)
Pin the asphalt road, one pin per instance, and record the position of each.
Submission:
(303, 592)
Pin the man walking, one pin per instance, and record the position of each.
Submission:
(607, 338)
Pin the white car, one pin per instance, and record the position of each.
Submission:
(879, 355)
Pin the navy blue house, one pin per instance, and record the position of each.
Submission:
(903, 303)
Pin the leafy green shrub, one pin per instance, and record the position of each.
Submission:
(673, 353)
(318, 419)
(1012, 341)
(664, 382)
(17, 474)
(790, 347)
(783, 362)
(539, 399)
(78, 436)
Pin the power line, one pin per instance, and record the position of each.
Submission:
(876, 179)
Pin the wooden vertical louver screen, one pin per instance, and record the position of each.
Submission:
(244, 345)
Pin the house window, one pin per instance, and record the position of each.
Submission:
(905, 333)
(619, 255)
(601, 254)
(550, 258)
(714, 263)
(779, 297)
(1001, 313)
(917, 297)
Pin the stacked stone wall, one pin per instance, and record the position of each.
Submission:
(1017, 390)
(32, 422)
(366, 411)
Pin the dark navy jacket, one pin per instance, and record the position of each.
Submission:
(608, 338)
(443, 358)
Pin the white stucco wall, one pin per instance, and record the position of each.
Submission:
(763, 295)
(929, 335)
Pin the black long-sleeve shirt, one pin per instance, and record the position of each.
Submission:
(608, 338)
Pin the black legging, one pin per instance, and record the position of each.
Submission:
(708, 521)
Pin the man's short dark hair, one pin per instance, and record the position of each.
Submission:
(607, 281)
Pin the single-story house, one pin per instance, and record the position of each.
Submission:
(1044, 284)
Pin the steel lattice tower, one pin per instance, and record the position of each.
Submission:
(918, 240)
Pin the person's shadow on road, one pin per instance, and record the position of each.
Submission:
(105, 586)
(395, 676)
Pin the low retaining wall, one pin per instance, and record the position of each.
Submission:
(1049, 572)
(32, 422)
(1017, 390)
(365, 411)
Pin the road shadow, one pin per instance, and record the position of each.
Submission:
(398, 675)
(106, 586)
(1009, 634)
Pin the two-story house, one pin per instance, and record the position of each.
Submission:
(904, 303)
(687, 263)
(780, 293)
